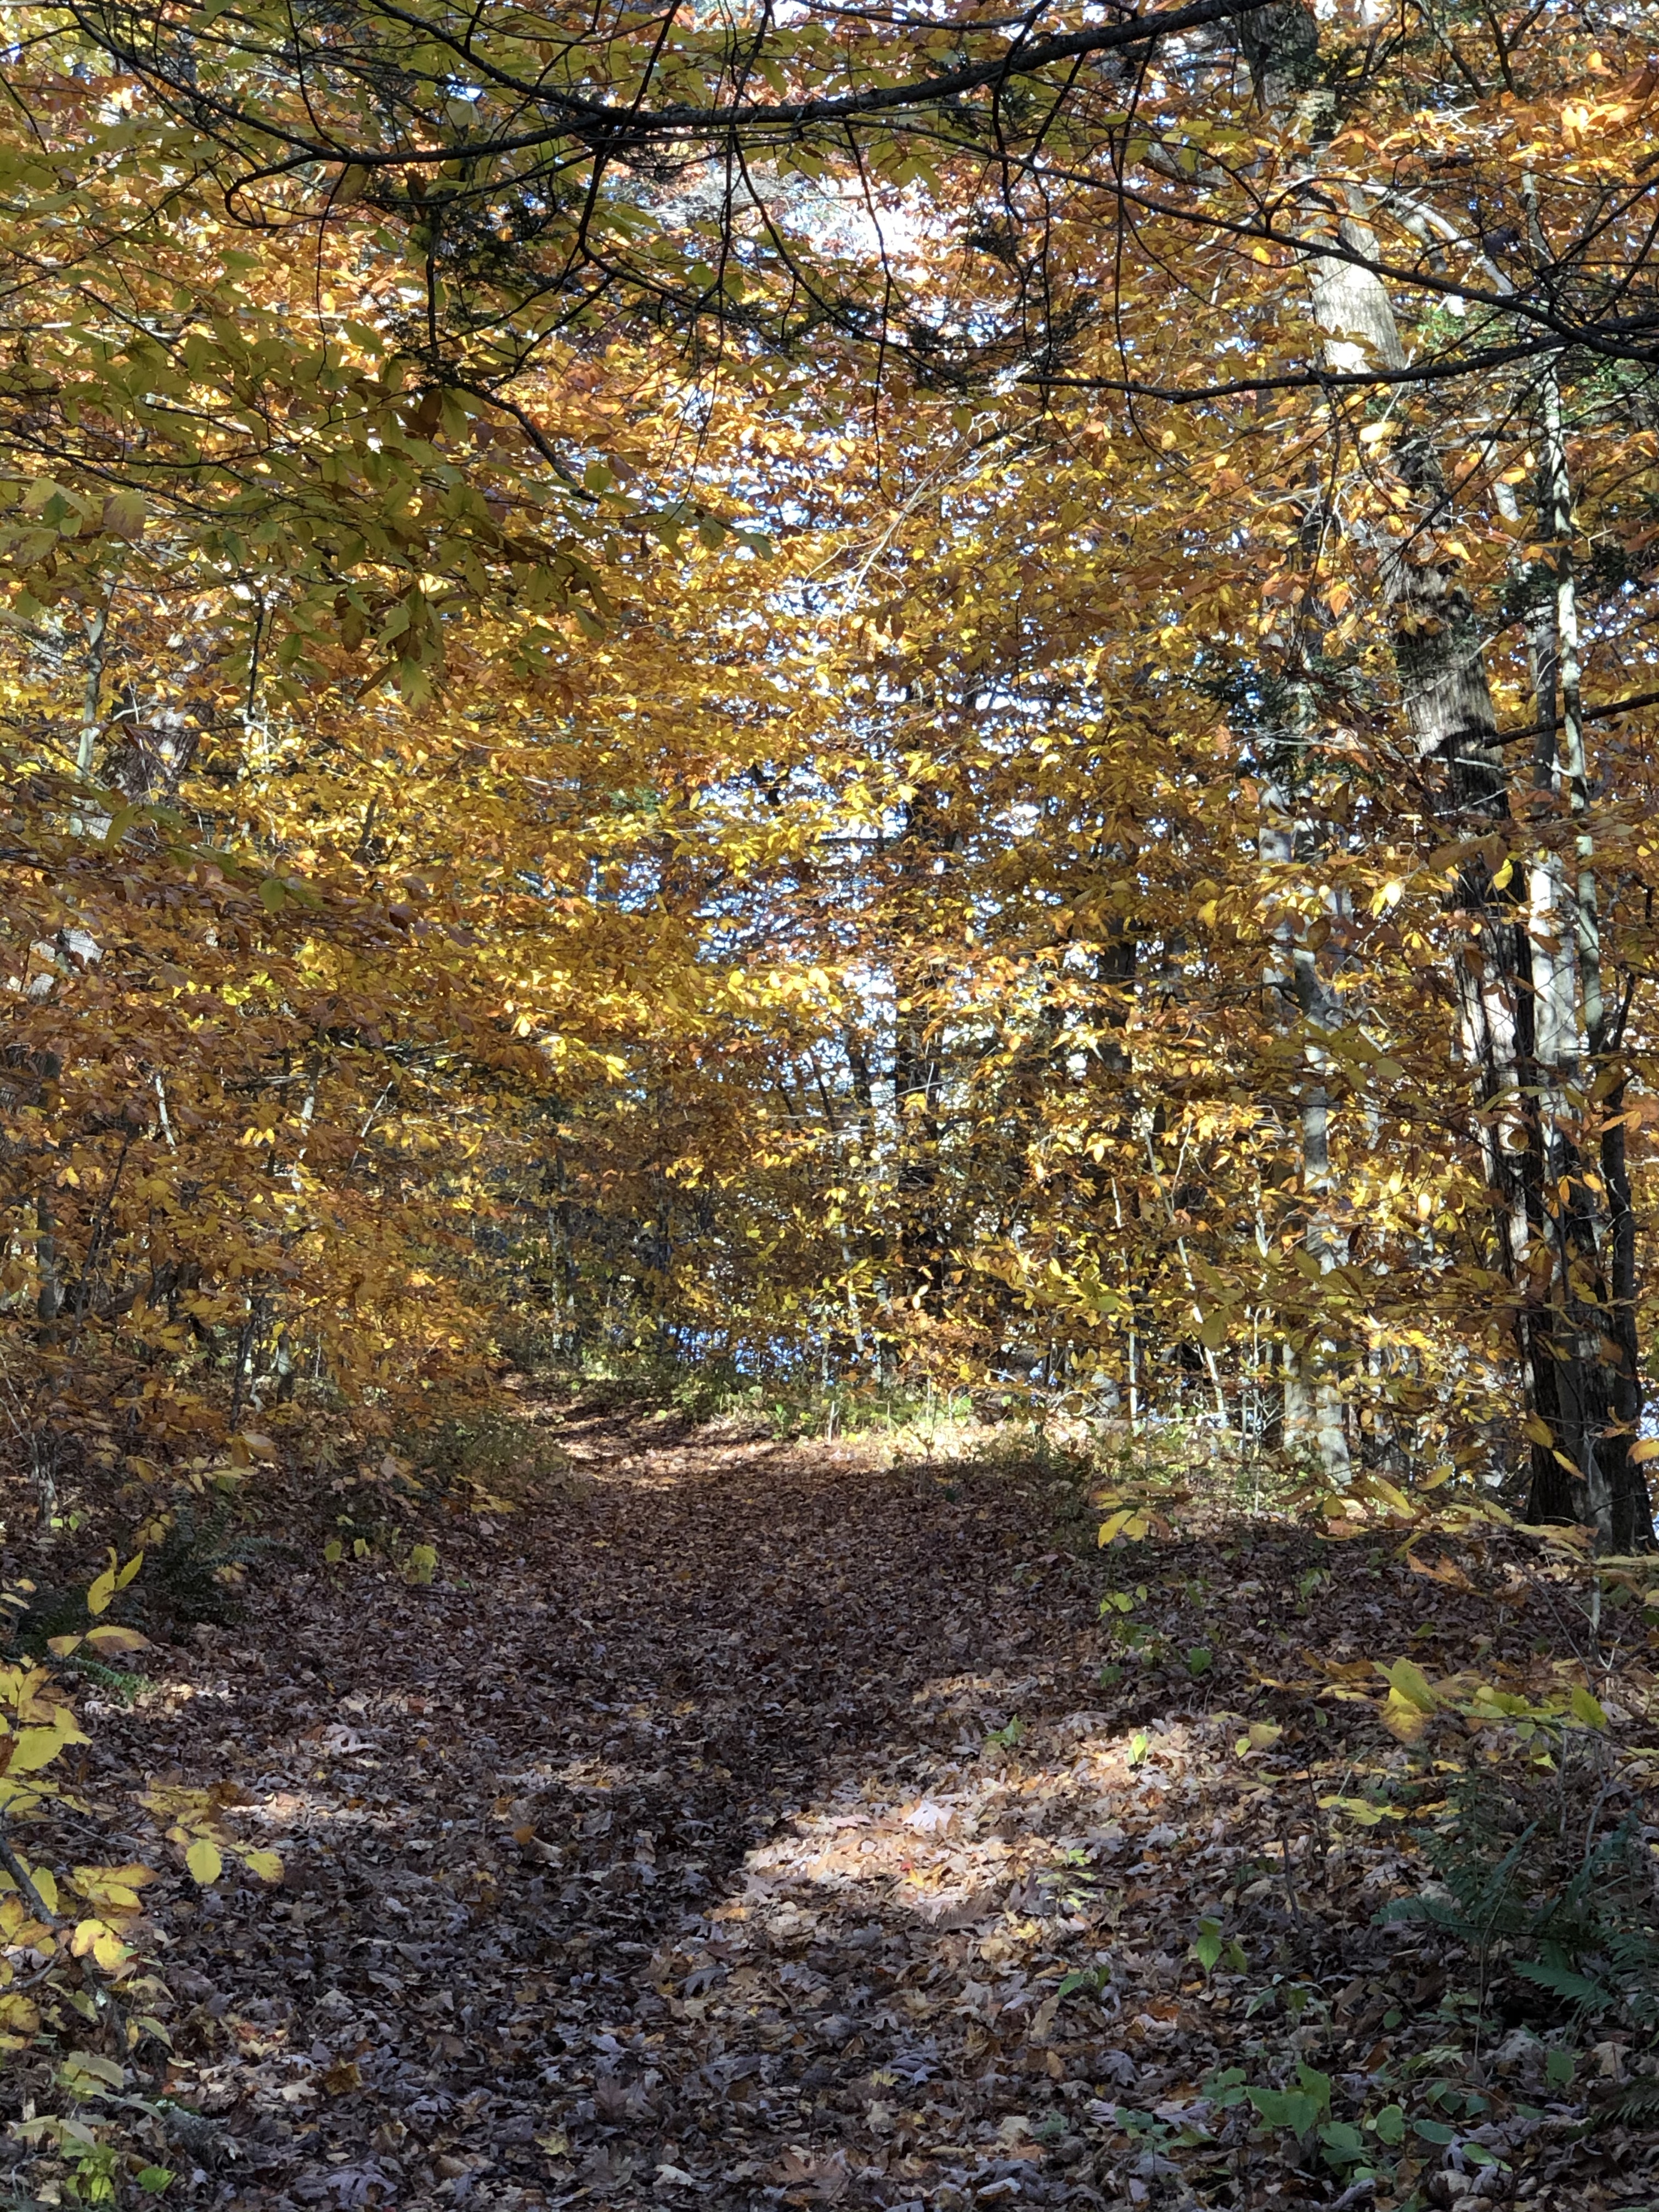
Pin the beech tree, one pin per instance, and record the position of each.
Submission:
(844, 690)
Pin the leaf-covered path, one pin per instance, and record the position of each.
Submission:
(665, 1852)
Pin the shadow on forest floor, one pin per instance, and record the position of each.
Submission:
(721, 1834)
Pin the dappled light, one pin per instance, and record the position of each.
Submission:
(825, 1838)
(829, 1105)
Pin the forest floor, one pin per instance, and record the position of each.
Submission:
(722, 1830)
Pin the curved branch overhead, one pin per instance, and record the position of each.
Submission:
(764, 180)
(137, 39)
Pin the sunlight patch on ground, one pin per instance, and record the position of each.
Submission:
(989, 1845)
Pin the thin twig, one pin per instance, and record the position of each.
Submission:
(21, 1875)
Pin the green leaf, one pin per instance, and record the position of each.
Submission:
(1081, 1977)
(1580, 1988)
(1226, 2089)
(1434, 2131)
(1344, 2145)
(1286, 2108)
(1389, 2124)
(84, 2074)
(1314, 2084)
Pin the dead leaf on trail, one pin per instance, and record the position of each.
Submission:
(340, 1740)
(696, 1828)
(931, 1818)
(1439, 1570)
(826, 2177)
(947, 1913)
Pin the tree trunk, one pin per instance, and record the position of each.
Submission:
(1513, 977)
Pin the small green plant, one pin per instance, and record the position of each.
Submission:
(1093, 1979)
(1008, 1734)
(489, 1452)
(1301, 2108)
(1576, 1923)
(1211, 1949)
(1070, 1880)
(197, 1564)
(1128, 1635)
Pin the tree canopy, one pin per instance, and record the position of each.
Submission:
(883, 690)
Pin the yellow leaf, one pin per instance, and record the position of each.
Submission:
(110, 1952)
(1409, 1683)
(266, 1864)
(204, 1860)
(1357, 1809)
(1645, 1449)
(45, 1883)
(86, 1933)
(102, 1590)
(1587, 1709)
(1442, 1570)
(32, 1748)
(1389, 1495)
(108, 1638)
(1403, 1721)
(133, 1876)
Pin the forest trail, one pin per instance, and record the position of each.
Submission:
(664, 1851)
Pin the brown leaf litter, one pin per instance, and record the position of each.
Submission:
(721, 1834)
